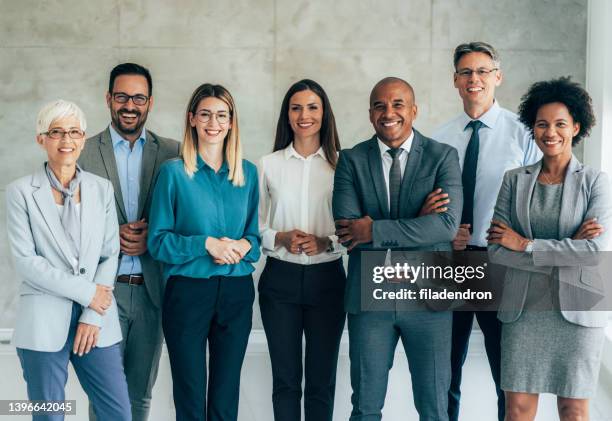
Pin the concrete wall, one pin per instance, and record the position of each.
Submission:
(257, 48)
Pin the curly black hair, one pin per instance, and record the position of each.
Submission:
(563, 90)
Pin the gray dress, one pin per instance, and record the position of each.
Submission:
(542, 352)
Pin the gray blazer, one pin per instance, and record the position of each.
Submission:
(51, 283)
(359, 190)
(574, 263)
(98, 157)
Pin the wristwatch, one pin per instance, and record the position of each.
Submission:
(529, 247)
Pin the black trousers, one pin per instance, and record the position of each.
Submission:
(296, 301)
(462, 329)
(219, 311)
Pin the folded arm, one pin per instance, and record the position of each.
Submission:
(585, 252)
(106, 272)
(498, 253)
(164, 243)
(432, 228)
(36, 270)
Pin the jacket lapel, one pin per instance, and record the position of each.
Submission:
(48, 209)
(571, 189)
(524, 191)
(149, 162)
(412, 167)
(110, 164)
(88, 219)
(378, 178)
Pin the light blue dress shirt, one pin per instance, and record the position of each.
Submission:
(129, 164)
(505, 143)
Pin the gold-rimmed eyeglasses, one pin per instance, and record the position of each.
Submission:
(204, 116)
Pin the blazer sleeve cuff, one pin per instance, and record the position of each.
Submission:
(90, 317)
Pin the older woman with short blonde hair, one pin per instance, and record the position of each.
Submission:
(63, 234)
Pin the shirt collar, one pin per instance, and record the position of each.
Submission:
(488, 119)
(291, 152)
(201, 164)
(406, 145)
(117, 138)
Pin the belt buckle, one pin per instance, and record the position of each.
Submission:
(130, 280)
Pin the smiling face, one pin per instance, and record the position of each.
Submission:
(554, 130)
(392, 111)
(129, 118)
(64, 151)
(477, 91)
(305, 114)
(211, 132)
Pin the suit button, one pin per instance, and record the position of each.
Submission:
(82, 271)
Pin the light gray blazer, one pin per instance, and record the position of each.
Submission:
(574, 263)
(50, 281)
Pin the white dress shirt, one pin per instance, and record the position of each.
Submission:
(296, 193)
(505, 143)
(387, 160)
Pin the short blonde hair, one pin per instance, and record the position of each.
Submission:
(58, 109)
(232, 147)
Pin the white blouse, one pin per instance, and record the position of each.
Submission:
(296, 193)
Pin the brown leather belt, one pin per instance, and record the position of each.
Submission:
(131, 279)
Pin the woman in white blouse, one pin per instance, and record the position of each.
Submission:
(302, 285)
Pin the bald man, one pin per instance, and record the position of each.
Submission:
(381, 202)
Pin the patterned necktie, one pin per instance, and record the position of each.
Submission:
(470, 166)
(395, 182)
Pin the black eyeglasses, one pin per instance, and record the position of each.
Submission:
(137, 99)
(58, 134)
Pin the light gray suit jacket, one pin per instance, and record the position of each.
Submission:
(575, 263)
(51, 283)
(98, 157)
(359, 190)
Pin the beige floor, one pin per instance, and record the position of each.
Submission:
(478, 402)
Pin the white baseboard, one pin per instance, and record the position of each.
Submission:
(259, 345)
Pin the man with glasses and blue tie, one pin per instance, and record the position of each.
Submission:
(490, 140)
(129, 156)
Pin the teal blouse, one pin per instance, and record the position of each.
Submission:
(186, 211)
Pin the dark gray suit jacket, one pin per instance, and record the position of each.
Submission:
(359, 190)
(98, 158)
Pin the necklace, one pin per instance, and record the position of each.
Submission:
(549, 181)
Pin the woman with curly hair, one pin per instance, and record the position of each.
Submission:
(550, 225)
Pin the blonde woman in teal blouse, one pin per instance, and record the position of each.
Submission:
(203, 227)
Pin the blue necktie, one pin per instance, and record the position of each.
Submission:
(470, 166)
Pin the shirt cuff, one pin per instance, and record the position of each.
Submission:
(338, 248)
(198, 245)
(268, 237)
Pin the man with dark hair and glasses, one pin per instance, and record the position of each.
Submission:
(490, 140)
(129, 156)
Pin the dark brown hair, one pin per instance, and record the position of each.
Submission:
(328, 134)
